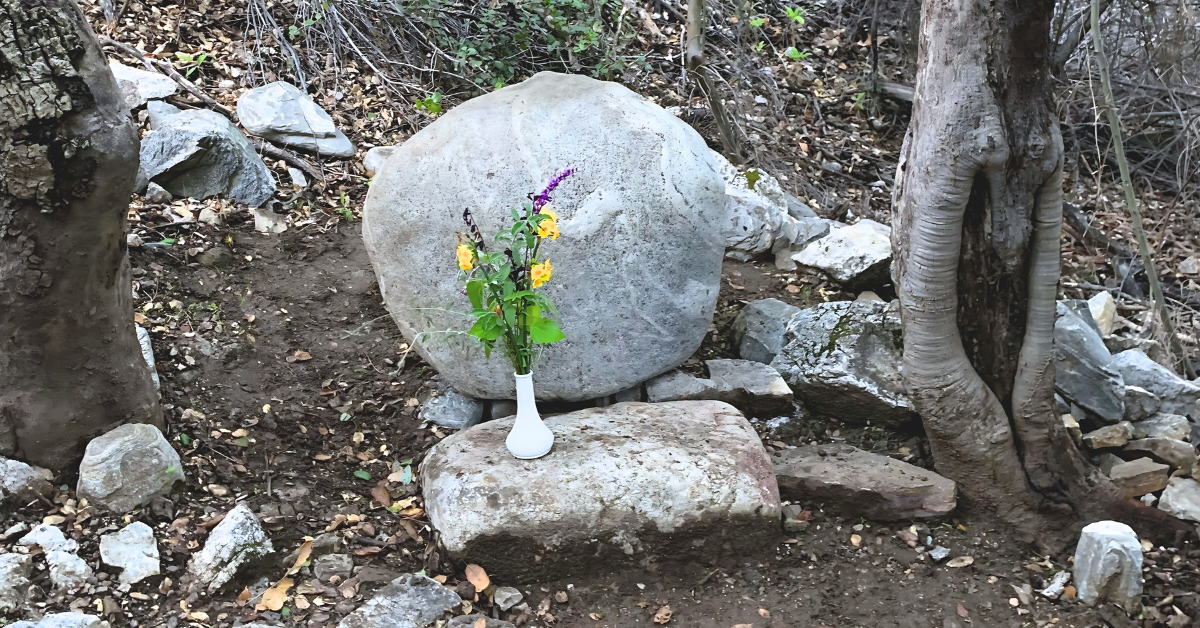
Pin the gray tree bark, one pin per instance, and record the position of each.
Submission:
(978, 201)
(70, 365)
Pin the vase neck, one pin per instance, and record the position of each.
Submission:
(524, 390)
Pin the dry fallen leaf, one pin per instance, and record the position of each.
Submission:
(663, 615)
(743, 626)
(322, 457)
(54, 519)
(305, 552)
(243, 597)
(481, 623)
(561, 597)
(380, 493)
(301, 602)
(1069, 592)
(764, 612)
(478, 577)
(856, 540)
(961, 561)
(962, 612)
(273, 598)
(299, 356)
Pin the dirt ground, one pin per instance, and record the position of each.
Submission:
(288, 387)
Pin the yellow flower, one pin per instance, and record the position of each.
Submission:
(540, 273)
(548, 228)
(466, 257)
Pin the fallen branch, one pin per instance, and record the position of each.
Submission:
(164, 67)
(1135, 214)
(276, 152)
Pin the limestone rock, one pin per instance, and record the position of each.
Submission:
(1178, 395)
(1140, 404)
(794, 234)
(23, 482)
(675, 385)
(127, 467)
(199, 153)
(1163, 426)
(753, 216)
(68, 572)
(636, 271)
(753, 387)
(843, 359)
(283, 114)
(138, 86)
(1083, 370)
(856, 483)
(133, 550)
(1176, 453)
(858, 256)
(1181, 499)
(502, 512)
(236, 540)
(1109, 436)
(1108, 566)
(1104, 311)
(507, 597)
(452, 409)
(156, 194)
(375, 157)
(758, 329)
(1139, 476)
(14, 580)
(330, 565)
(64, 620)
(410, 601)
(48, 538)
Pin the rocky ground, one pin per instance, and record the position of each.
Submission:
(289, 389)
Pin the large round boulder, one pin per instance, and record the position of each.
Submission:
(638, 266)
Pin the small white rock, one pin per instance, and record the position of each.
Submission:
(67, 571)
(1108, 566)
(127, 467)
(237, 539)
(133, 549)
(1181, 498)
(1104, 312)
(49, 538)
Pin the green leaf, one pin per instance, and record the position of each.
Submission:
(185, 439)
(752, 177)
(406, 475)
(475, 293)
(362, 474)
(487, 327)
(242, 442)
(345, 417)
(545, 331)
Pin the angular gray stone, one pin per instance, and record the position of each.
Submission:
(1140, 476)
(451, 409)
(1140, 404)
(1181, 499)
(1108, 566)
(1176, 453)
(843, 359)
(502, 408)
(64, 620)
(375, 157)
(636, 271)
(858, 256)
(675, 385)
(470, 621)
(797, 208)
(856, 483)
(236, 540)
(1083, 370)
(68, 572)
(138, 86)
(14, 580)
(794, 234)
(199, 153)
(330, 565)
(1109, 436)
(939, 553)
(127, 467)
(133, 550)
(758, 329)
(753, 217)
(283, 114)
(503, 513)
(156, 194)
(753, 387)
(410, 601)
(1178, 395)
(1163, 426)
(507, 597)
(22, 482)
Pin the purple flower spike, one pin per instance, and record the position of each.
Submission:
(541, 199)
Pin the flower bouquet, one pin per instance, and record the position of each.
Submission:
(502, 286)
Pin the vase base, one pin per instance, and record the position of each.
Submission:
(528, 455)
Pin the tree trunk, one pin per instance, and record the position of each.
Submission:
(978, 202)
(70, 364)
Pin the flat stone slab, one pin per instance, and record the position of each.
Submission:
(629, 481)
(856, 483)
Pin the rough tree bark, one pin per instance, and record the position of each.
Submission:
(70, 365)
(978, 202)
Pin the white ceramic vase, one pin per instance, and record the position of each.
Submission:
(529, 438)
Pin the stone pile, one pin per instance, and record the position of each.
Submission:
(285, 115)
